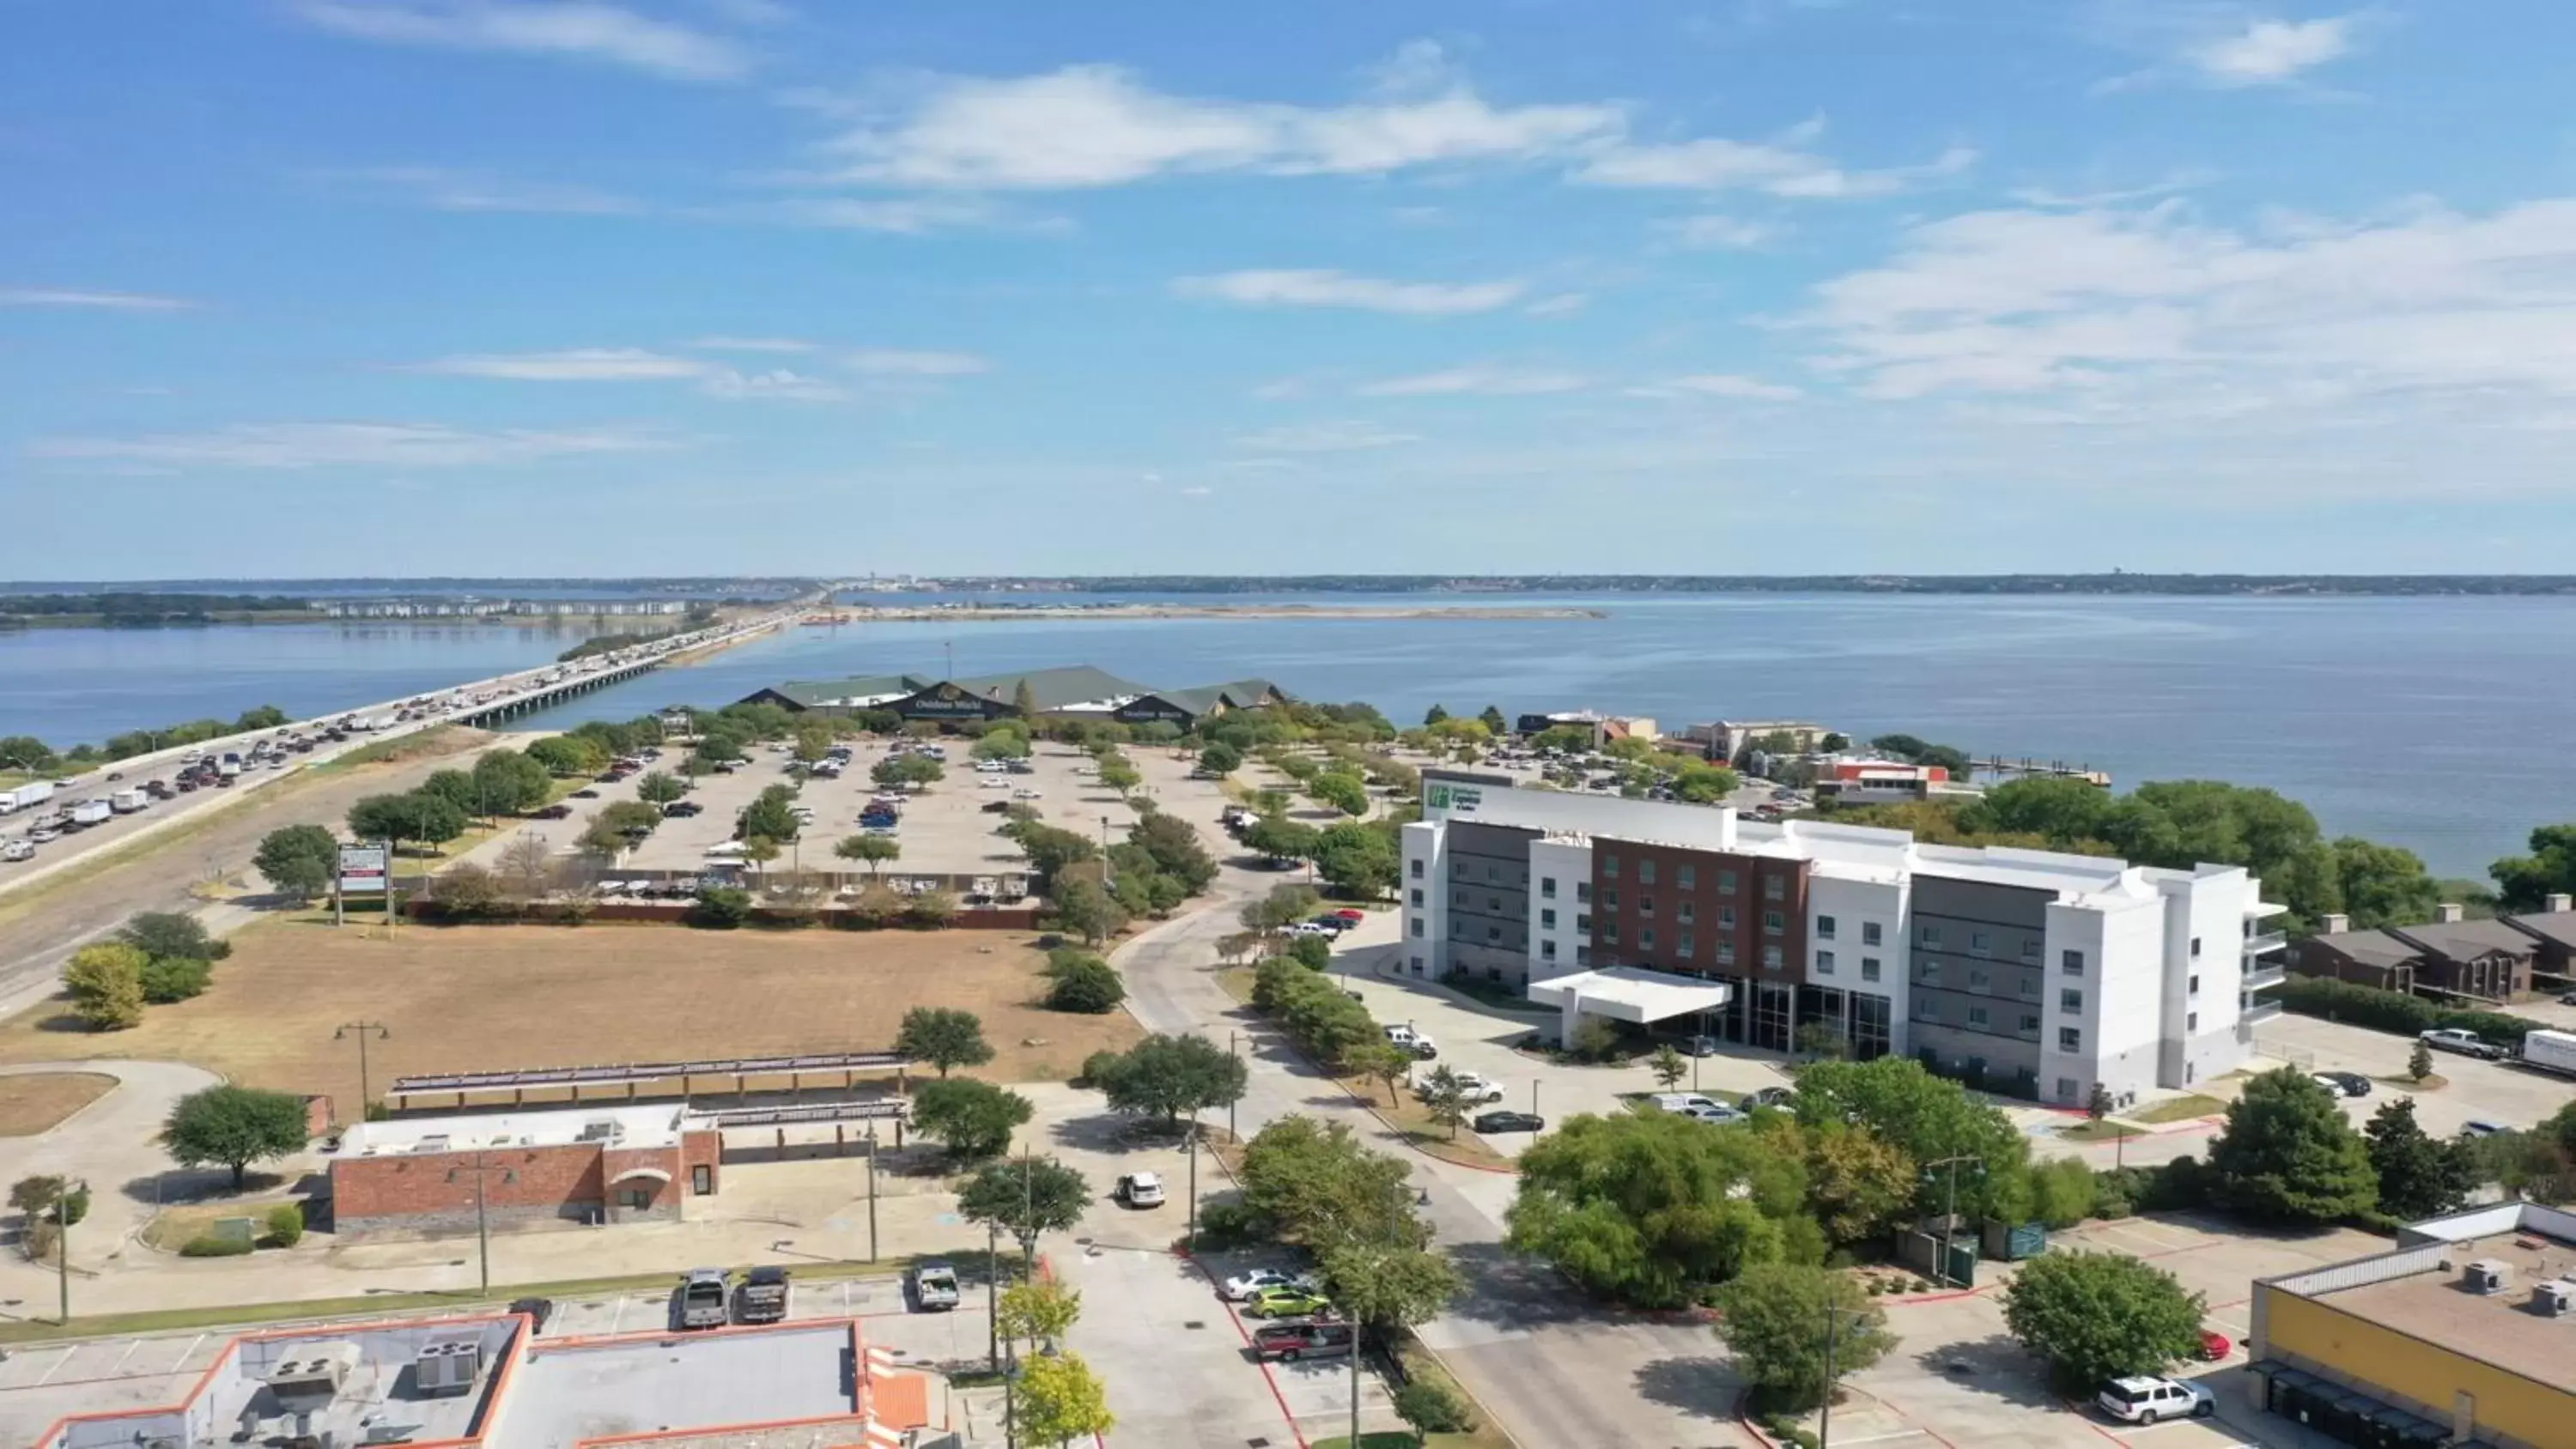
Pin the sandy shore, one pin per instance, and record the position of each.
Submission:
(972, 613)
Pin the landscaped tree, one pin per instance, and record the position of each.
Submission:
(907, 769)
(457, 788)
(2419, 1177)
(1924, 1116)
(1084, 983)
(1434, 715)
(568, 755)
(2097, 1316)
(1859, 1184)
(976, 1119)
(1444, 1097)
(1312, 952)
(300, 860)
(1345, 793)
(1284, 906)
(2383, 885)
(234, 1127)
(1060, 1400)
(1168, 1076)
(2525, 882)
(1389, 1286)
(466, 890)
(1775, 1319)
(2419, 1062)
(1025, 1197)
(510, 782)
(1119, 775)
(1084, 907)
(660, 787)
(1175, 849)
(1492, 718)
(944, 1037)
(2289, 1156)
(1314, 1184)
(773, 814)
(759, 850)
(871, 850)
(1001, 744)
(1276, 837)
(1651, 1208)
(1358, 860)
(1041, 1310)
(49, 1197)
(721, 908)
(169, 935)
(1382, 1061)
(1427, 1406)
(1668, 1066)
(526, 868)
(417, 818)
(1221, 759)
(106, 985)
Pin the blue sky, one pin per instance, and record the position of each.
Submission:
(321, 287)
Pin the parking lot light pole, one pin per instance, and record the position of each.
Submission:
(1825, 1421)
(1193, 1232)
(1949, 1210)
(872, 1191)
(362, 1030)
(63, 1196)
(1230, 1137)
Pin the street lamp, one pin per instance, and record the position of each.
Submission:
(1949, 1208)
(1834, 1317)
(362, 1030)
(481, 1171)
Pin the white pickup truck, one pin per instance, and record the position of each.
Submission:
(2466, 1043)
(934, 1287)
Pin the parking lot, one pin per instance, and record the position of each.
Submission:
(2498, 1092)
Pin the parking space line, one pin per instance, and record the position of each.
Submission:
(57, 1366)
(1876, 1438)
(122, 1357)
(617, 1312)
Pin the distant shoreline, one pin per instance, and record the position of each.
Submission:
(986, 613)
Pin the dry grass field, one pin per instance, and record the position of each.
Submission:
(39, 1101)
(480, 998)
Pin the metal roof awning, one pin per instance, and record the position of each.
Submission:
(638, 1072)
(1630, 993)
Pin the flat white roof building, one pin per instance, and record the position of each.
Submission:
(2029, 971)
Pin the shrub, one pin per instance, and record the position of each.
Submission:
(2062, 1192)
(2394, 1011)
(1595, 1039)
(213, 1247)
(721, 908)
(285, 1225)
(1090, 986)
(1312, 952)
(1433, 1408)
(1224, 1225)
(175, 978)
(1097, 1067)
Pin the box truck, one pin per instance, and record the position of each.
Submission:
(90, 812)
(126, 802)
(2551, 1051)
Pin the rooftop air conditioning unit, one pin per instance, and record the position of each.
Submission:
(448, 1365)
(2487, 1275)
(2553, 1298)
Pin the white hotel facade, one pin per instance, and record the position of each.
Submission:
(2033, 972)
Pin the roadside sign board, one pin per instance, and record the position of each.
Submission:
(362, 870)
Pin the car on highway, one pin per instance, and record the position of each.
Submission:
(1252, 1280)
(2465, 1043)
(1286, 1302)
(2343, 1084)
(1496, 1122)
(2145, 1399)
(44, 835)
(17, 850)
(1289, 1342)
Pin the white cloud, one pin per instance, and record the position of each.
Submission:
(1197, 490)
(1728, 232)
(753, 344)
(1335, 437)
(97, 301)
(1563, 304)
(1477, 381)
(580, 364)
(342, 445)
(889, 362)
(2269, 51)
(580, 29)
(778, 384)
(2153, 308)
(444, 188)
(1720, 384)
(1781, 168)
(1086, 126)
(1313, 288)
(899, 216)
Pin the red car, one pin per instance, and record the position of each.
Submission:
(1352, 916)
(2214, 1345)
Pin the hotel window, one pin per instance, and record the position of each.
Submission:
(1770, 958)
(1582, 955)
(1645, 938)
(1726, 918)
(1493, 933)
(1978, 980)
(1929, 973)
(1726, 953)
(1583, 924)
(1547, 887)
(702, 1179)
(1686, 875)
(1416, 895)
(2071, 962)
(1493, 872)
(1977, 1016)
(2195, 948)
(1493, 903)
(2030, 948)
(1773, 887)
(1682, 946)
(1979, 942)
(1926, 1009)
(2069, 1039)
(1684, 911)
(1645, 872)
(1609, 933)
(2070, 1000)
(1869, 968)
(1609, 867)
(1415, 865)
(1547, 950)
(1645, 905)
(1824, 928)
(1547, 920)
(1583, 892)
(1869, 933)
(1931, 935)
(1824, 963)
(1609, 899)
(2030, 1024)
(2191, 1021)
(1772, 923)
(1726, 882)
(1417, 926)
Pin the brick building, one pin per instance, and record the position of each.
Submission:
(598, 1163)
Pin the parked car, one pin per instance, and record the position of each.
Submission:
(1139, 1190)
(1700, 1046)
(2466, 1043)
(2343, 1084)
(1493, 1122)
(1355, 917)
(538, 1311)
(706, 1298)
(1418, 1043)
(1244, 1285)
(1768, 1097)
(1472, 1086)
(1289, 1342)
(553, 812)
(2144, 1400)
(585, 794)
(1286, 1302)
(2481, 1127)
(2214, 1345)
(1716, 1115)
(934, 1287)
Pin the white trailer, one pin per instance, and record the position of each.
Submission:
(126, 802)
(2551, 1051)
(90, 812)
(31, 793)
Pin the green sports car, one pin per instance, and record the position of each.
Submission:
(1285, 1302)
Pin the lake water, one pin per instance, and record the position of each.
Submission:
(2432, 723)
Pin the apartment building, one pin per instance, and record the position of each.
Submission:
(2030, 971)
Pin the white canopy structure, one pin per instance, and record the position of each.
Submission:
(1626, 993)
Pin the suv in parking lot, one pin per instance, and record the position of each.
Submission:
(2144, 1400)
(1290, 1342)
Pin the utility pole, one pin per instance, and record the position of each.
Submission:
(1192, 1239)
(992, 1295)
(63, 1244)
(872, 1190)
(1230, 1137)
(482, 1171)
(1949, 1209)
(1825, 1421)
(362, 1029)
